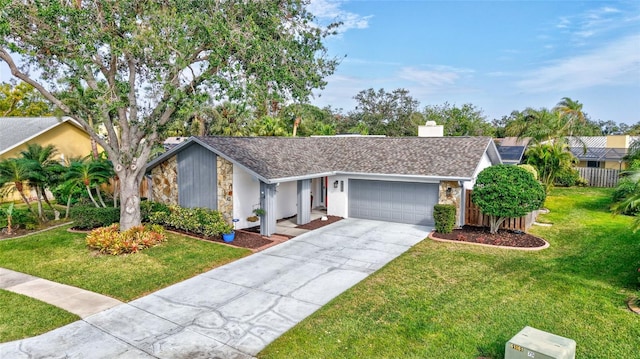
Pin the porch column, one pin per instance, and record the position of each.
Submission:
(268, 203)
(304, 202)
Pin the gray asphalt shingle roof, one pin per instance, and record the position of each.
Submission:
(17, 130)
(285, 157)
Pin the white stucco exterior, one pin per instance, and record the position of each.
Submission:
(246, 196)
(286, 199)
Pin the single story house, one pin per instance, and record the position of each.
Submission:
(601, 151)
(397, 179)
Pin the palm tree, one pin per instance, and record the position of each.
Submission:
(572, 112)
(268, 126)
(90, 173)
(42, 169)
(549, 159)
(632, 201)
(13, 175)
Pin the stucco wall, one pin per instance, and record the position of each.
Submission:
(286, 199)
(246, 196)
(165, 181)
(69, 140)
(225, 188)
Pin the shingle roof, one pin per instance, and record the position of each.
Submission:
(17, 130)
(276, 158)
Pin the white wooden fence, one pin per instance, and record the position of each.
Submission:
(600, 177)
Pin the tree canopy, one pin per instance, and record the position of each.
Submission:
(133, 66)
(467, 120)
(22, 100)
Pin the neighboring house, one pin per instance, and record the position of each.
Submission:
(601, 151)
(390, 179)
(512, 149)
(65, 134)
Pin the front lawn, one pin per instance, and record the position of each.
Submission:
(63, 257)
(22, 317)
(455, 301)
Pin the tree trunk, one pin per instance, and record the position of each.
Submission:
(24, 198)
(91, 196)
(66, 213)
(40, 211)
(129, 199)
(44, 195)
(495, 223)
(100, 196)
(115, 192)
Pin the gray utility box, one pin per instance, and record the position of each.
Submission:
(533, 343)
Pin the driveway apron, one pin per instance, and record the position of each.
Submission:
(233, 311)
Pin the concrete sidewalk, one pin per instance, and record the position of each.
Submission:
(233, 311)
(72, 299)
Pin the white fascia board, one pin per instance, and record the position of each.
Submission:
(302, 177)
(62, 120)
(406, 177)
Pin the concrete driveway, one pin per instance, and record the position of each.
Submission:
(233, 311)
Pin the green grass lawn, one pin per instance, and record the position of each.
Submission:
(63, 257)
(22, 317)
(443, 300)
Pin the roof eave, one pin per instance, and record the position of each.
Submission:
(190, 141)
(406, 176)
(62, 120)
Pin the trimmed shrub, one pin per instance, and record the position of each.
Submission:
(445, 217)
(202, 221)
(530, 169)
(110, 240)
(504, 191)
(148, 208)
(568, 177)
(86, 217)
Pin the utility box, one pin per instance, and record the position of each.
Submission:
(533, 343)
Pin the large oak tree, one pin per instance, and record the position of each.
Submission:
(133, 66)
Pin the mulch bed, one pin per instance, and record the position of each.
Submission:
(481, 235)
(317, 223)
(21, 232)
(243, 239)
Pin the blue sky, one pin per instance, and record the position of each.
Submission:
(497, 55)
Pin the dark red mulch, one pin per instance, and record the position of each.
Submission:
(502, 238)
(317, 223)
(242, 239)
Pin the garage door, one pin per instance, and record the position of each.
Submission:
(404, 202)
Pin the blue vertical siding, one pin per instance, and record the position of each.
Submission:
(197, 178)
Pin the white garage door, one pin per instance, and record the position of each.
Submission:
(404, 202)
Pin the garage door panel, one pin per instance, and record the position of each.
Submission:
(404, 202)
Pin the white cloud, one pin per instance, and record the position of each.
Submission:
(433, 77)
(597, 21)
(617, 63)
(331, 11)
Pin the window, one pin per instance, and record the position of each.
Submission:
(593, 164)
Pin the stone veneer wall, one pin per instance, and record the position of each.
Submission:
(225, 188)
(165, 181)
(455, 198)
